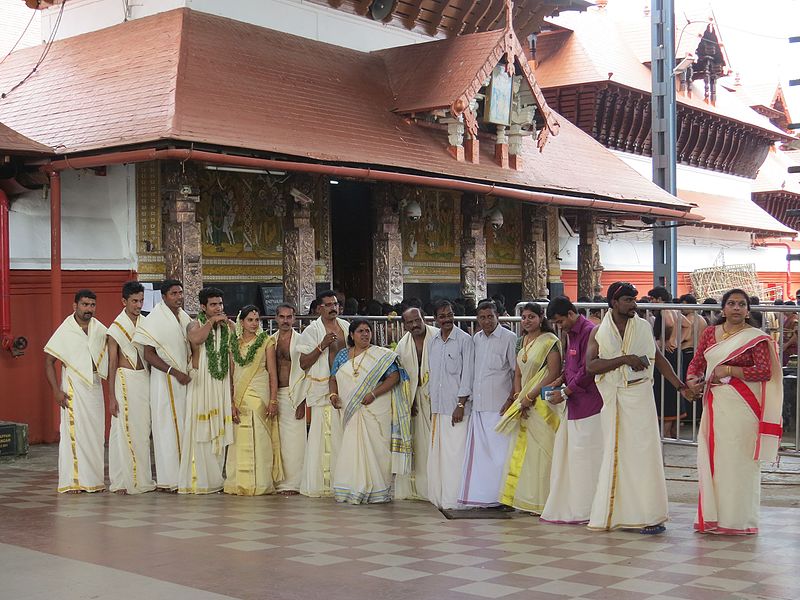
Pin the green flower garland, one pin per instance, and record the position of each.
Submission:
(251, 352)
(217, 360)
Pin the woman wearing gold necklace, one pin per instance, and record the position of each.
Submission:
(254, 460)
(736, 369)
(366, 381)
(526, 475)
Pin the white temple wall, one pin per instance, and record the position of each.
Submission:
(98, 230)
(291, 16)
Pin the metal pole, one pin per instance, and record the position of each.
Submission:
(664, 139)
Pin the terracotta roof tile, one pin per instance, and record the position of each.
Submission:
(434, 74)
(735, 213)
(12, 142)
(185, 75)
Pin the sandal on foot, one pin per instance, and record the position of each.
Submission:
(652, 530)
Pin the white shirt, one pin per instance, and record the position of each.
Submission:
(495, 362)
(451, 363)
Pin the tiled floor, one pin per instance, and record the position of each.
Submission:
(164, 546)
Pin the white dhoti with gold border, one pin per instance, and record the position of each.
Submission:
(129, 466)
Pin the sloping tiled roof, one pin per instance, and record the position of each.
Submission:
(596, 49)
(12, 142)
(433, 74)
(773, 176)
(189, 76)
(735, 213)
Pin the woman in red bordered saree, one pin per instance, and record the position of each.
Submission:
(737, 369)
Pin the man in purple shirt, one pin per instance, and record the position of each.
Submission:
(578, 449)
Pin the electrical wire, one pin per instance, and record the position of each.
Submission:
(22, 35)
(45, 52)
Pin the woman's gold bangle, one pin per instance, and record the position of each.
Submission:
(728, 371)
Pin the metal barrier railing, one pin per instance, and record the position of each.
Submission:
(387, 331)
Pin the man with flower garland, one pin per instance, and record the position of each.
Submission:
(208, 426)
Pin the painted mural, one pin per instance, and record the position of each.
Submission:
(504, 245)
(431, 244)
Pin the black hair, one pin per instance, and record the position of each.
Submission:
(84, 294)
(440, 304)
(661, 293)
(621, 288)
(246, 310)
(560, 305)
(312, 308)
(486, 305)
(326, 294)
(129, 288)
(209, 292)
(687, 299)
(726, 296)
(355, 324)
(169, 283)
(285, 305)
(537, 310)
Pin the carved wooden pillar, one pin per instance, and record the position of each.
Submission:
(501, 147)
(473, 249)
(298, 242)
(554, 283)
(183, 250)
(589, 267)
(534, 254)
(455, 136)
(387, 254)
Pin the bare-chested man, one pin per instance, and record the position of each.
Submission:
(129, 390)
(319, 344)
(413, 352)
(291, 393)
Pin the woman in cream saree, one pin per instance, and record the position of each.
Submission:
(741, 422)
(253, 464)
(530, 420)
(366, 383)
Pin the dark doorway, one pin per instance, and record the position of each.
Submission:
(352, 231)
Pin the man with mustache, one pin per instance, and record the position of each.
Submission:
(318, 346)
(451, 356)
(631, 490)
(492, 394)
(413, 352)
(129, 400)
(291, 397)
(79, 344)
(162, 333)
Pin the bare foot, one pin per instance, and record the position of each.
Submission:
(289, 493)
(74, 491)
(122, 492)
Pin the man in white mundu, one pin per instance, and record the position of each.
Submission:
(451, 357)
(319, 344)
(208, 425)
(79, 344)
(631, 488)
(413, 352)
(129, 467)
(291, 386)
(162, 333)
(492, 394)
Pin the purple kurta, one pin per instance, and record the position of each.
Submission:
(584, 399)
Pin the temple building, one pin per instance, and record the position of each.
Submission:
(385, 149)
(594, 68)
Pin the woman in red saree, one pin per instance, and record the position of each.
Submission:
(737, 366)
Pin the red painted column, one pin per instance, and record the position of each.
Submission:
(5, 276)
(56, 316)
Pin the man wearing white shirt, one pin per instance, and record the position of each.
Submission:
(492, 392)
(451, 358)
